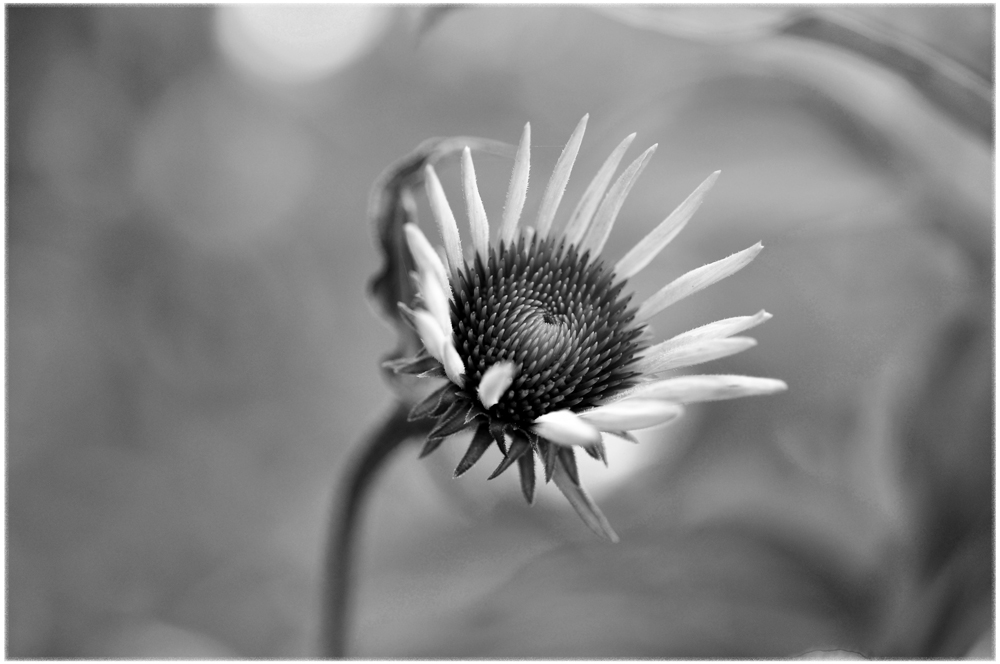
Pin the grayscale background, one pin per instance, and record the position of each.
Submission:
(191, 351)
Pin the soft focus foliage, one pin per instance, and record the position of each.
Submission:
(191, 351)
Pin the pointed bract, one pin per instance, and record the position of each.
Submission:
(432, 405)
(597, 452)
(519, 445)
(567, 458)
(583, 504)
(624, 435)
(550, 456)
(480, 442)
(560, 176)
(517, 191)
(647, 248)
(526, 467)
(453, 421)
(497, 431)
(430, 445)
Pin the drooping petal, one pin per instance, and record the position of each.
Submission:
(719, 329)
(632, 414)
(480, 442)
(693, 389)
(444, 217)
(647, 248)
(478, 224)
(454, 368)
(566, 428)
(495, 382)
(607, 213)
(582, 215)
(583, 504)
(695, 280)
(657, 360)
(517, 191)
(560, 176)
(424, 255)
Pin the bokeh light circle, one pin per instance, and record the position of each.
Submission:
(297, 44)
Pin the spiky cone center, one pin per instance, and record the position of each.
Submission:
(558, 316)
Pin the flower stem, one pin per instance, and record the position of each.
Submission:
(348, 500)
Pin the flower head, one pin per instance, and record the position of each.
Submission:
(535, 335)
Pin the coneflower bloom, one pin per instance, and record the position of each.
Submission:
(534, 334)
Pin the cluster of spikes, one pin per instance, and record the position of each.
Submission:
(535, 335)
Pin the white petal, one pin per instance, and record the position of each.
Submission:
(430, 333)
(631, 414)
(566, 428)
(582, 215)
(647, 248)
(692, 389)
(495, 382)
(436, 301)
(695, 280)
(583, 504)
(517, 192)
(424, 255)
(720, 329)
(604, 220)
(478, 224)
(444, 217)
(560, 176)
(454, 368)
(658, 359)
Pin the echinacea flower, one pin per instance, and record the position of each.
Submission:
(534, 334)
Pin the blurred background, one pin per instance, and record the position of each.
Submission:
(192, 352)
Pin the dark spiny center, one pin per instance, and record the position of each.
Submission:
(555, 314)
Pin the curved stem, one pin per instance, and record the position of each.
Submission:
(348, 500)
